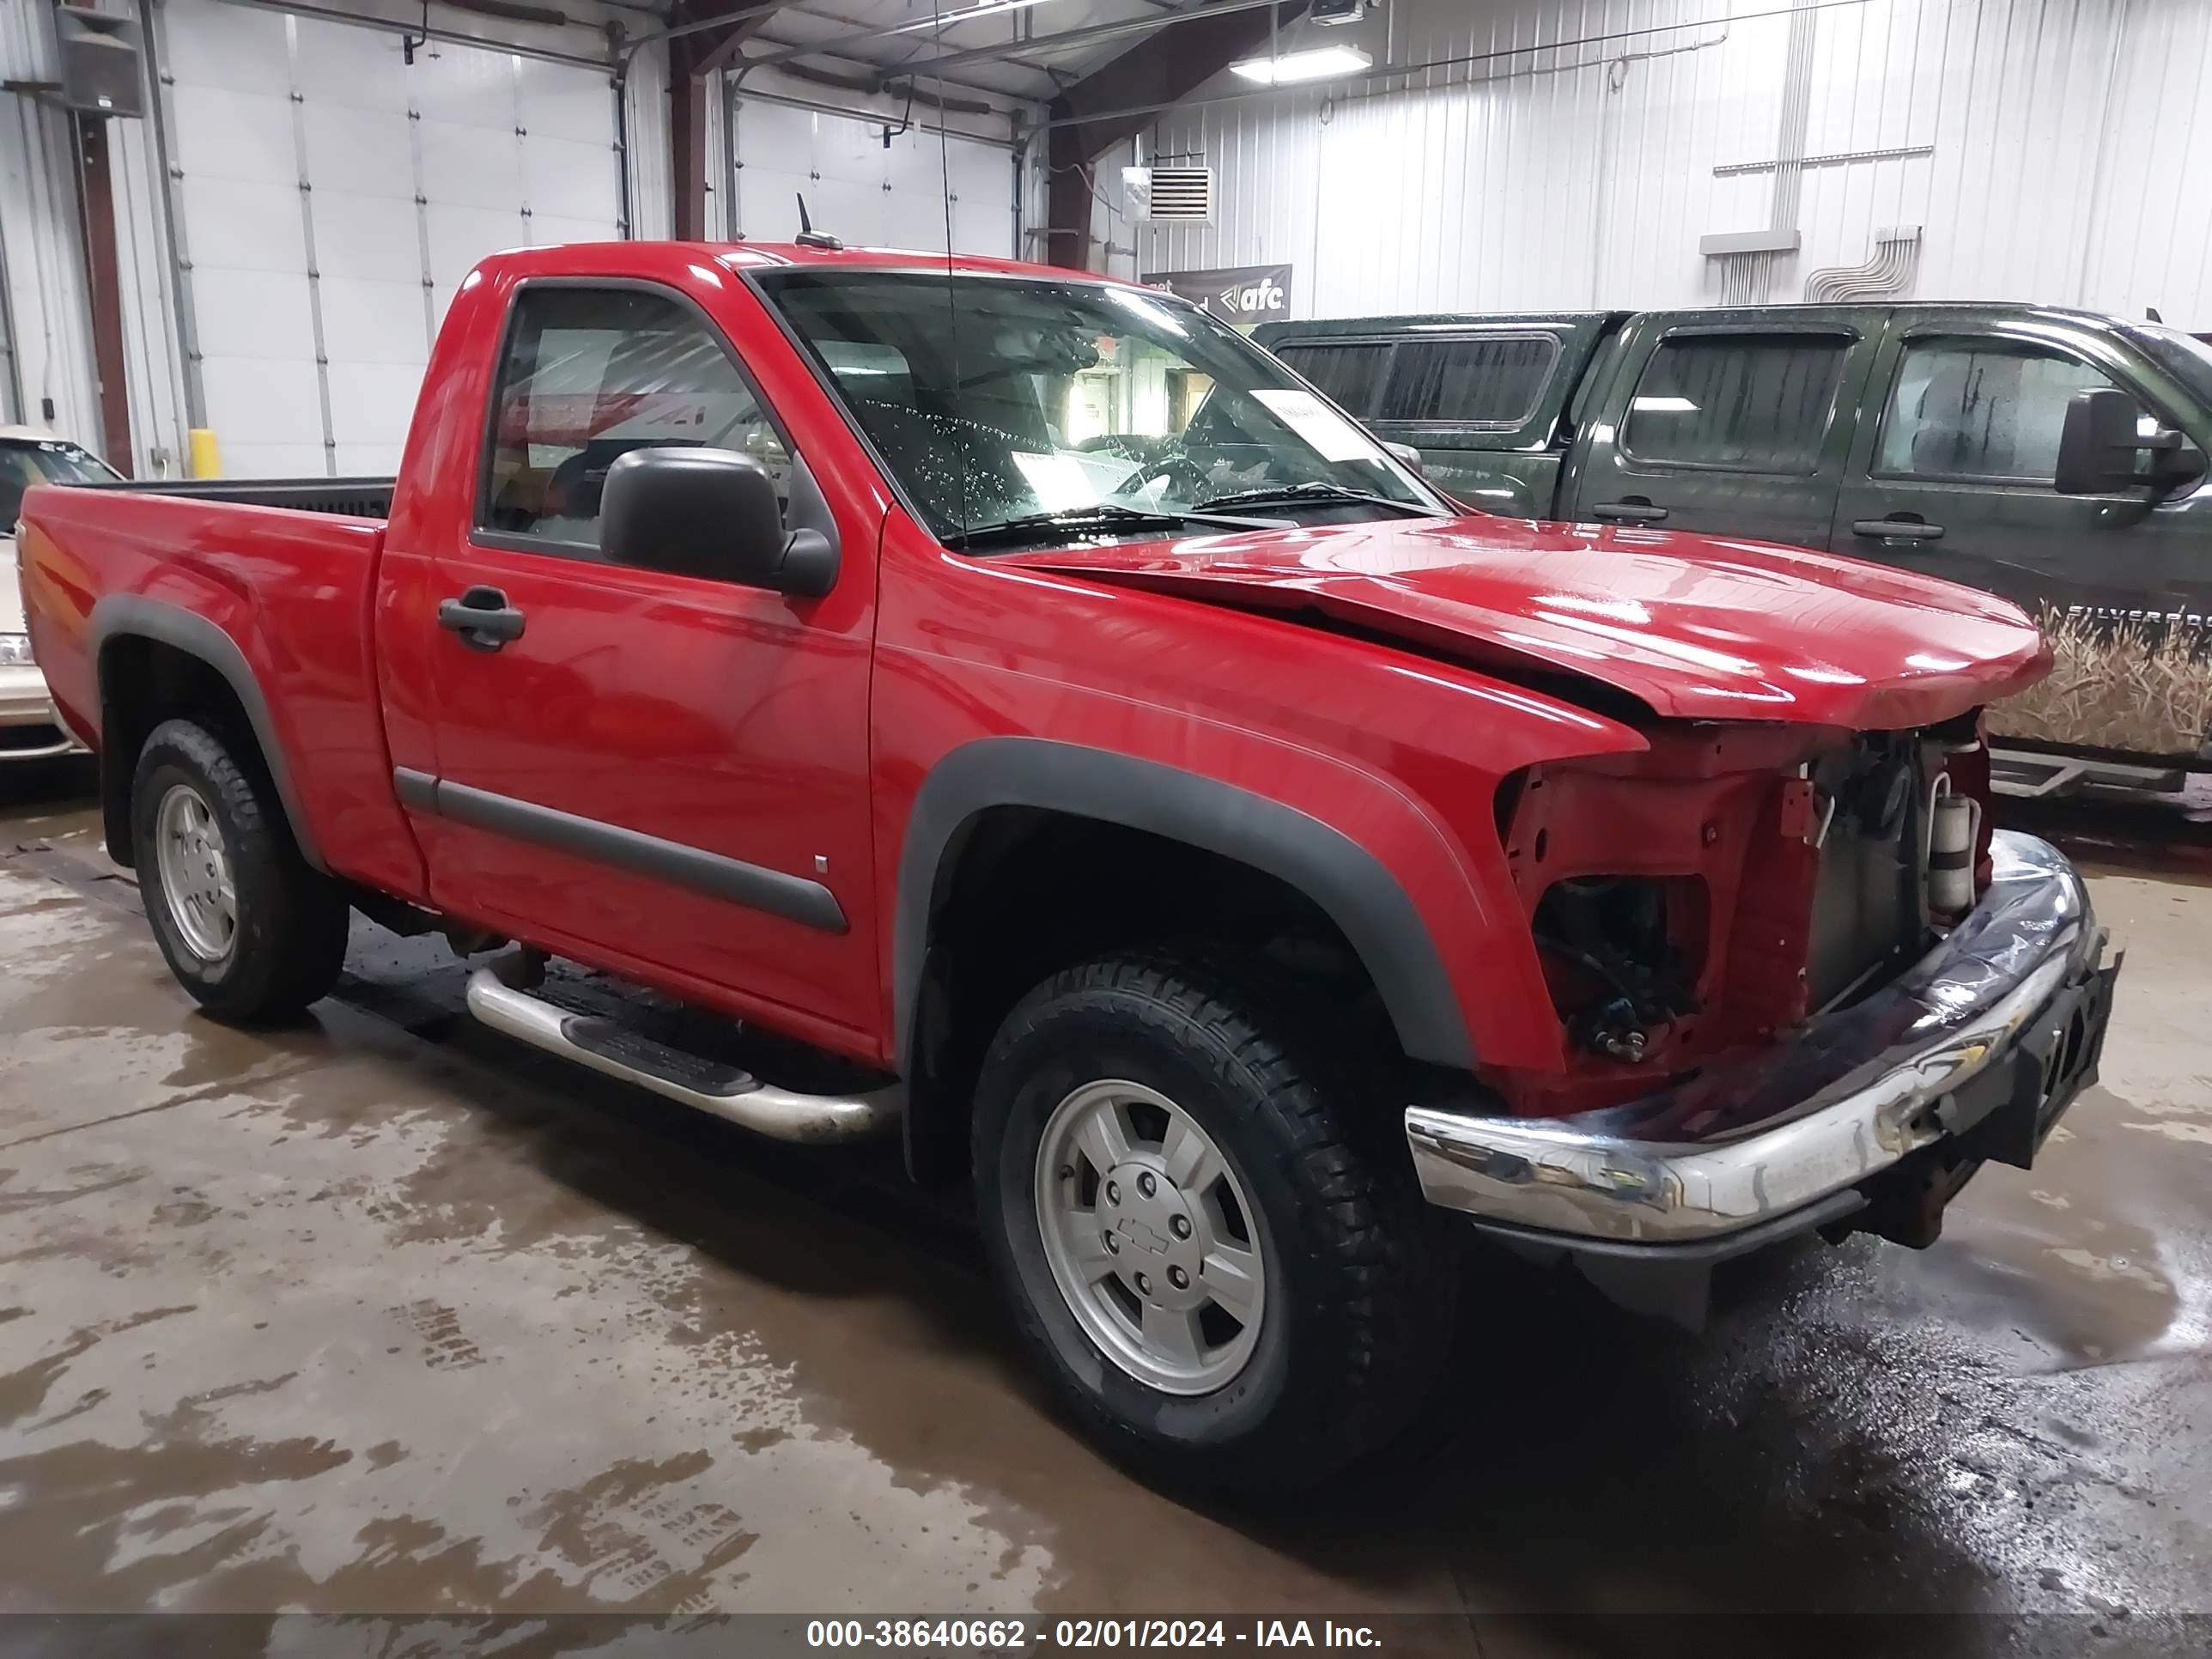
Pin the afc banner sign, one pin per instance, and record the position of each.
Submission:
(1239, 295)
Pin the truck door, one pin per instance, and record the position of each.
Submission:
(1732, 424)
(1955, 480)
(669, 770)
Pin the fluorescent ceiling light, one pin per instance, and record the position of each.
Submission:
(1317, 64)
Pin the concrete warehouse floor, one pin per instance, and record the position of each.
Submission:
(382, 1314)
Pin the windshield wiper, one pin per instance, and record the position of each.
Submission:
(1318, 492)
(1105, 519)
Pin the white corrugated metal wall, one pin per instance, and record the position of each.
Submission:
(1552, 153)
(333, 196)
(154, 364)
(502, 149)
(1573, 154)
(41, 253)
(645, 118)
(878, 177)
(298, 374)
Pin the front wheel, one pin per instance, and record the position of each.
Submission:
(1220, 1287)
(247, 927)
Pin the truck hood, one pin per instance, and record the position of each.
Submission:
(1693, 627)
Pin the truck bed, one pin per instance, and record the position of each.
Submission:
(283, 571)
(344, 498)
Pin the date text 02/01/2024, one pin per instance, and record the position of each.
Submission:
(1002, 1635)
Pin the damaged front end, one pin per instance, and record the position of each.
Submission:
(1799, 985)
(1716, 890)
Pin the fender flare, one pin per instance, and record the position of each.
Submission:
(1350, 885)
(123, 615)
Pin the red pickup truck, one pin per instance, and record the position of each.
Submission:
(1134, 784)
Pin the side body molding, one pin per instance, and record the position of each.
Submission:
(1348, 883)
(772, 892)
(135, 616)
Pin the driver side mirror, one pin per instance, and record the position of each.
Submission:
(1409, 457)
(2100, 447)
(709, 513)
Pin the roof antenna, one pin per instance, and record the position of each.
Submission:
(809, 237)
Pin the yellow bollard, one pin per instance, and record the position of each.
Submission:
(205, 460)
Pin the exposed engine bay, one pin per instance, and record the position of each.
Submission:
(1732, 882)
(1612, 930)
(1869, 907)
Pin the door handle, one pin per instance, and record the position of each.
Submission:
(1897, 530)
(1630, 509)
(482, 617)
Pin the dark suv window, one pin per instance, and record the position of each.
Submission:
(1494, 380)
(1345, 373)
(37, 462)
(590, 374)
(1987, 409)
(1752, 402)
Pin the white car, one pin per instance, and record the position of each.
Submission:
(29, 729)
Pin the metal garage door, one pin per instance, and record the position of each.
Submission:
(332, 196)
(861, 190)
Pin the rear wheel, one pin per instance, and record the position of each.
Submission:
(247, 927)
(1219, 1286)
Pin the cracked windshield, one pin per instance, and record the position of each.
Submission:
(1018, 413)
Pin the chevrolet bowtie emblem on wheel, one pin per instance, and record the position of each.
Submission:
(1141, 1236)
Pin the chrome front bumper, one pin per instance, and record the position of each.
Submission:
(1991, 1035)
(24, 703)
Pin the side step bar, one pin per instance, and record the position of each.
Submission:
(606, 1045)
(2033, 774)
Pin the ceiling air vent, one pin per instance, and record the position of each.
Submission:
(1182, 196)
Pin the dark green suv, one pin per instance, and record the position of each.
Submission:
(2054, 457)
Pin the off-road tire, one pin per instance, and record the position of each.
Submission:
(1362, 1283)
(290, 937)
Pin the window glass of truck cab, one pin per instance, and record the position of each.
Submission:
(1492, 379)
(1489, 379)
(1986, 410)
(993, 401)
(1344, 375)
(1745, 403)
(588, 374)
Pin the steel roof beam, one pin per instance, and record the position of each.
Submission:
(1071, 40)
(947, 20)
(1158, 71)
